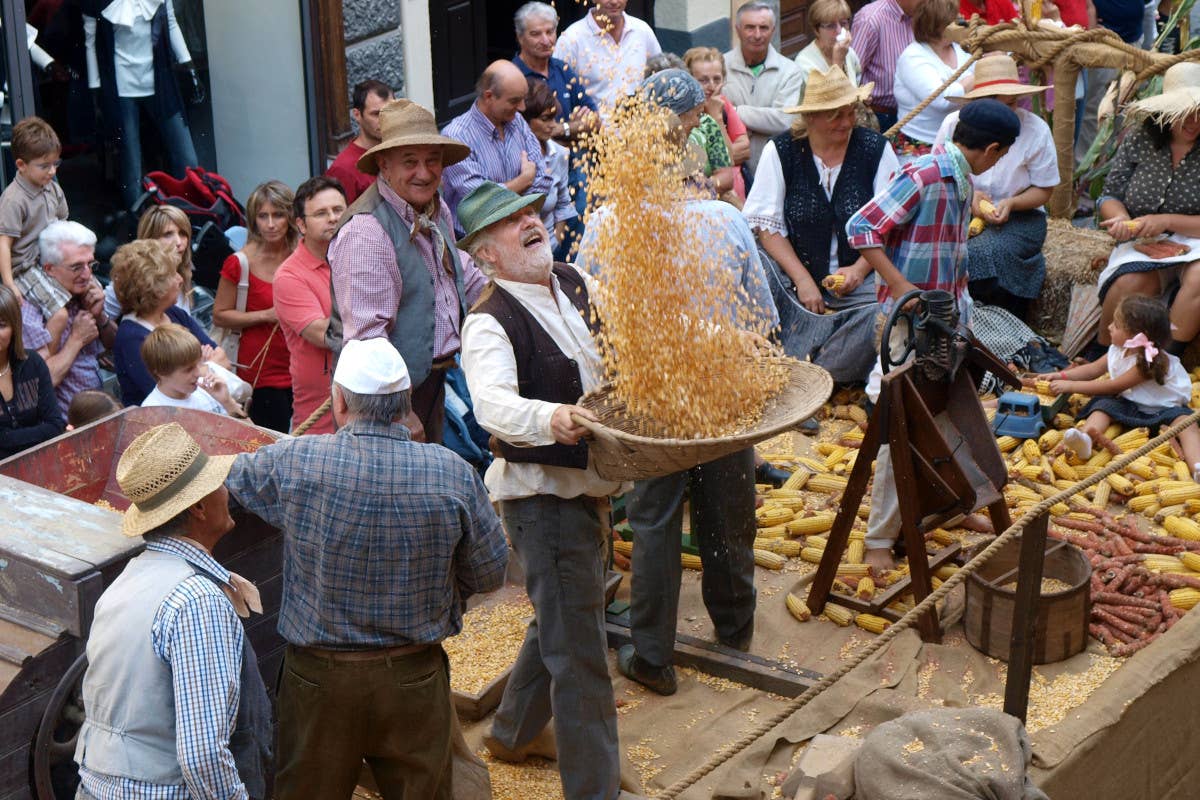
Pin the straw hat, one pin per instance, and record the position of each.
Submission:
(163, 472)
(1180, 95)
(997, 76)
(489, 203)
(403, 124)
(830, 90)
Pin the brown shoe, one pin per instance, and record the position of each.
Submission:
(543, 746)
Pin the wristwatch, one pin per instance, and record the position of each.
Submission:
(566, 130)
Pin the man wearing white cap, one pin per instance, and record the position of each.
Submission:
(386, 539)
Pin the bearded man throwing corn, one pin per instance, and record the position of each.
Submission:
(529, 356)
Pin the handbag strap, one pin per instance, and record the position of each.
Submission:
(243, 286)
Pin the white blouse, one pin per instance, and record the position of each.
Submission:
(919, 72)
(1176, 390)
(1031, 161)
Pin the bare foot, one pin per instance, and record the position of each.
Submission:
(879, 560)
(978, 523)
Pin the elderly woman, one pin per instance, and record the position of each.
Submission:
(172, 227)
(921, 69)
(148, 285)
(830, 47)
(810, 181)
(263, 356)
(29, 412)
(1152, 190)
(1006, 263)
(707, 66)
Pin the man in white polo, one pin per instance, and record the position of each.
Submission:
(608, 50)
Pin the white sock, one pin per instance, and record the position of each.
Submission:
(1078, 442)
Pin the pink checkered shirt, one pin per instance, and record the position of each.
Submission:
(881, 30)
(367, 283)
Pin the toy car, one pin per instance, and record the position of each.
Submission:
(1019, 415)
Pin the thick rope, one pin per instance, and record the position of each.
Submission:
(313, 418)
(915, 613)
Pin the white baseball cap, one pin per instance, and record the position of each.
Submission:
(371, 366)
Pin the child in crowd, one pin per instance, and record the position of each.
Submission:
(172, 355)
(914, 235)
(1137, 383)
(90, 406)
(28, 204)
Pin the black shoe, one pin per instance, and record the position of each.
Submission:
(634, 667)
(768, 473)
(810, 427)
(741, 641)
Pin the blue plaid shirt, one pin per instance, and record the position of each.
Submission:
(197, 632)
(385, 538)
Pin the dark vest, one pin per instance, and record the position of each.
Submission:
(811, 217)
(412, 327)
(543, 371)
(166, 100)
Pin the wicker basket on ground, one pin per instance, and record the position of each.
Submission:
(1073, 256)
(618, 453)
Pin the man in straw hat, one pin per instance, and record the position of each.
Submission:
(385, 541)
(1006, 265)
(529, 356)
(171, 675)
(396, 272)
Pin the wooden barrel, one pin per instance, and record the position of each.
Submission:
(1062, 617)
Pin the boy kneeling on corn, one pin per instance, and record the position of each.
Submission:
(914, 235)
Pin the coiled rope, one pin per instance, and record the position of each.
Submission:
(915, 613)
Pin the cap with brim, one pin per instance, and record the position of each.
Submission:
(997, 76)
(830, 90)
(163, 472)
(488, 204)
(403, 123)
(1179, 98)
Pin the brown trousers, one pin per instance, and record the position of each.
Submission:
(393, 712)
(429, 404)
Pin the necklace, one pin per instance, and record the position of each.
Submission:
(4, 371)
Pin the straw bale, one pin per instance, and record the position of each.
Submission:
(1073, 256)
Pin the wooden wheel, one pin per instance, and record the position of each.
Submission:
(55, 775)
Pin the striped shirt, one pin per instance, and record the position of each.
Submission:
(921, 219)
(367, 283)
(880, 32)
(493, 157)
(385, 538)
(197, 633)
(84, 372)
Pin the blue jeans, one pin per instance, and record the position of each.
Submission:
(181, 152)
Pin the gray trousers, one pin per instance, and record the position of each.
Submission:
(562, 669)
(722, 516)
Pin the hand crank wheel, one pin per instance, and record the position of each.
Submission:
(54, 773)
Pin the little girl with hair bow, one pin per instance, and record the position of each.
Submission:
(1137, 383)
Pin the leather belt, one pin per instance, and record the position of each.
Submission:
(444, 364)
(362, 655)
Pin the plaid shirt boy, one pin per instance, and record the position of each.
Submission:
(921, 219)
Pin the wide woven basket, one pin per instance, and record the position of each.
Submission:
(618, 454)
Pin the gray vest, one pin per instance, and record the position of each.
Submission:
(127, 690)
(412, 325)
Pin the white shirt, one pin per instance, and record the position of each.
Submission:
(1176, 390)
(764, 204)
(811, 58)
(1031, 161)
(919, 72)
(199, 400)
(559, 205)
(609, 70)
(491, 369)
(133, 52)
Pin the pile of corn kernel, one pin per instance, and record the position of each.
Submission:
(488, 644)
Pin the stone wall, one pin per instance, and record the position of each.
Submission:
(374, 43)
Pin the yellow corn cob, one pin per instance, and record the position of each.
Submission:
(990, 413)
(987, 207)
(1141, 468)
(812, 554)
(853, 570)
(841, 587)
(1100, 498)
(830, 484)
(1183, 599)
(834, 283)
(770, 515)
(1019, 492)
(1064, 421)
(772, 532)
(690, 561)
(1142, 503)
(1059, 509)
(1182, 528)
(810, 524)
(768, 560)
(871, 623)
(866, 588)
(1191, 561)
(1131, 440)
(1086, 470)
(1029, 472)
(623, 547)
(1163, 472)
(797, 479)
(836, 457)
(943, 537)
(1181, 471)
(1162, 459)
(1157, 563)
(864, 511)
(945, 571)
(1064, 470)
(785, 547)
(1121, 484)
(1050, 439)
(793, 504)
(825, 448)
(1148, 487)
(1179, 494)
(1192, 506)
(854, 434)
(1007, 443)
(1099, 458)
(815, 541)
(813, 464)
(784, 493)
(976, 227)
(935, 582)
(855, 550)
(797, 608)
(839, 614)
(857, 534)
(1031, 451)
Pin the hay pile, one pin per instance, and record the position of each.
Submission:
(1073, 256)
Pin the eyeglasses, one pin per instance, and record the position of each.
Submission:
(46, 166)
(80, 266)
(328, 213)
(833, 26)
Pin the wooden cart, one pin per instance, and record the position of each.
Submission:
(58, 552)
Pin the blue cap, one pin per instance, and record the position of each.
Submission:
(992, 118)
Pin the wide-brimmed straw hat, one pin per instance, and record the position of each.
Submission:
(403, 123)
(997, 76)
(1180, 95)
(163, 472)
(489, 203)
(829, 90)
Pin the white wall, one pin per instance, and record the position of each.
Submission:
(688, 15)
(260, 113)
(418, 62)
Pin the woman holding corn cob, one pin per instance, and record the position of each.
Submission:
(1145, 385)
(809, 182)
(1153, 189)
(1005, 261)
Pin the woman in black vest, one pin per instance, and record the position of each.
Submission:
(809, 182)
